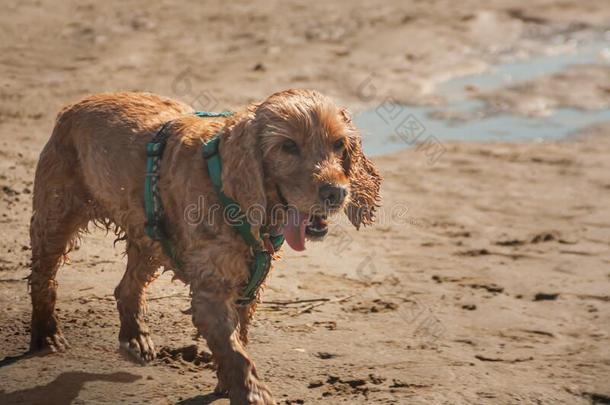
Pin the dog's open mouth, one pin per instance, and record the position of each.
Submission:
(317, 227)
(298, 225)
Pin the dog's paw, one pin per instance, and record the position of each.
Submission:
(258, 394)
(140, 348)
(221, 389)
(52, 342)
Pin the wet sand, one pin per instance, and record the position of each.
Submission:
(485, 281)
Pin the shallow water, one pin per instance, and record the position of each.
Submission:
(391, 127)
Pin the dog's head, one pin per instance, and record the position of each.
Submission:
(300, 157)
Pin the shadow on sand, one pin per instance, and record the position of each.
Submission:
(63, 390)
(200, 399)
(8, 360)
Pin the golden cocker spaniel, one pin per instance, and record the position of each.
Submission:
(296, 157)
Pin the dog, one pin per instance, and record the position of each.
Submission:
(295, 150)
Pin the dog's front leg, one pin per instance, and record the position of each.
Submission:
(217, 321)
(245, 315)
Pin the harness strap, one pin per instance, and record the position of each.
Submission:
(152, 197)
(204, 114)
(233, 212)
(261, 262)
(259, 244)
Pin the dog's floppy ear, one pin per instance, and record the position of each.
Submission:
(242, 169)
(364, 178)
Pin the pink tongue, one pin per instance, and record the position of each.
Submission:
(294, 230)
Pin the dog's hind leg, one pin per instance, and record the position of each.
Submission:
(134, 336)
(59, 212)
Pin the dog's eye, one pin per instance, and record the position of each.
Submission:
(339, 145)
(290, 146)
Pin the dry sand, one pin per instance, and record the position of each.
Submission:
(486, 281)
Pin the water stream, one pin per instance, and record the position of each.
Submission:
(391, 127)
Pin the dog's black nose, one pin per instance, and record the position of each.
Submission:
(332, 195)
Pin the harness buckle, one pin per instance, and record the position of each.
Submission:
(210, 148)
(154, 149)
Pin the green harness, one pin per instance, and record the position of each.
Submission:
(262, 247)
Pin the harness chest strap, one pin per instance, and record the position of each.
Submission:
(233, 213)
(261, 260)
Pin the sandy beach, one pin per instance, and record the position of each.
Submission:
(485, 281)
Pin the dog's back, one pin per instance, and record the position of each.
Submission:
(98, 144)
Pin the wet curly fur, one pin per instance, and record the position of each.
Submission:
(92, 171)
